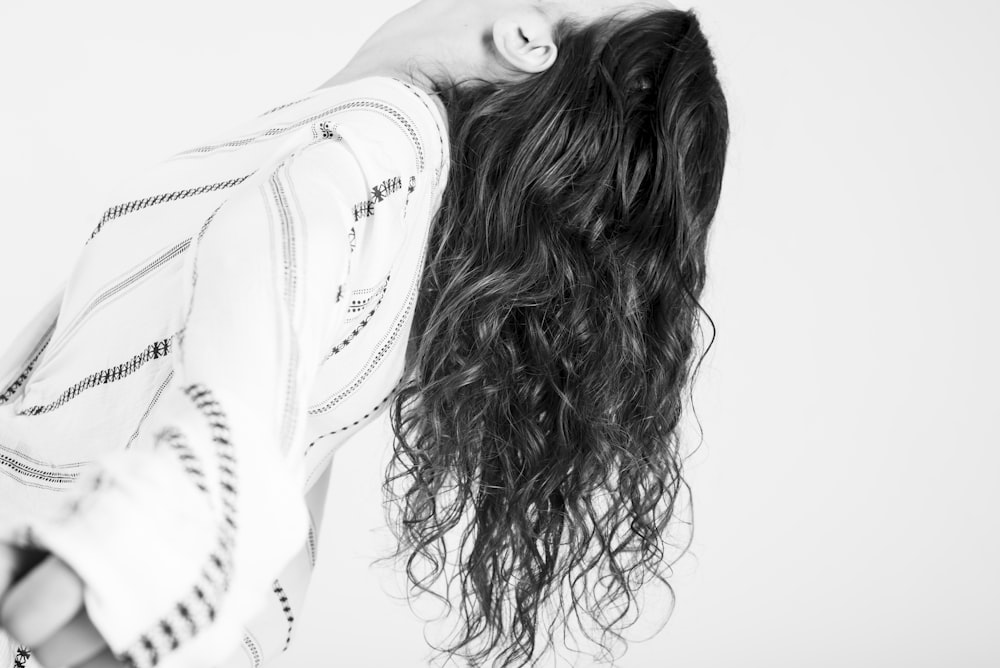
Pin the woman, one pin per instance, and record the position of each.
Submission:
(545, 173)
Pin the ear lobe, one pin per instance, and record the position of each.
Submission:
(524, 41)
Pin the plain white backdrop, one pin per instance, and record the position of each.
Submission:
(846, 492)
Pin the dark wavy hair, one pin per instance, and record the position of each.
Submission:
(536, 430)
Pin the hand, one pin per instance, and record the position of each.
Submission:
(41, 607)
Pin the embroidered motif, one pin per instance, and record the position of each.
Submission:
(22, 654)
(378, 194)
(329, 131)
(137, 204)
(153, 351)
(283, 598)
(198, 608)
(364, 209)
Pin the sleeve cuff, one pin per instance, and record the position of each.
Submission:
(169, 578)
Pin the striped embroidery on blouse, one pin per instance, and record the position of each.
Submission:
(380, 191)
(12, 389)
(252, 649)
(199, 606)
(149, 408)
(311, 542)
(393, 113)
(361, 325)
(441, 133)
(137, 204)
(375, 359)
(154, 351)
(279, 196)
(33, 473)
(370, 413)
(357, 305)
(286, 608)
(283, 106)
(118, 289)
(192, 465)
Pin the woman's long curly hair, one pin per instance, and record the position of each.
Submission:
(536, 433)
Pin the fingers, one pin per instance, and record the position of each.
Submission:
(15, 562)
(44, 610)
(9, 558)
(71, 645)
(41, 602)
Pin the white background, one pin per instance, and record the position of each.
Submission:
(846, 492)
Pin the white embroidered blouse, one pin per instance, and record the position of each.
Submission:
(240, 310)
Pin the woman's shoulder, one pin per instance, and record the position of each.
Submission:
(383, 114)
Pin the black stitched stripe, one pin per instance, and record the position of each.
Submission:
(252, 649)
(154, 351)
(192, 465)
(224, 450)
(387, 342)
(149, 408)
(194, 269)
(379, 193)
(358, 421)
(29, 471)
(287, 609)
(147, 644)
(124, 208)
(360, 304)
(311, 544)
(361, 325)
(391, 111)
(290, 269)
(26, 371)
(198, 608)
(168, 631)
(442, 133)
(283, 106)
(122, 285)
(372, 363)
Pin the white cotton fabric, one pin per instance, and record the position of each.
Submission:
(240, 311)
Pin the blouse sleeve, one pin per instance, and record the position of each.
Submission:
(179, 538)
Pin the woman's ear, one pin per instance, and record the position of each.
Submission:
(524, 40)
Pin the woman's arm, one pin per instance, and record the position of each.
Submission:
(177, 540)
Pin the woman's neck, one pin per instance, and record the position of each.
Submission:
(408, 58)
(431, 40)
